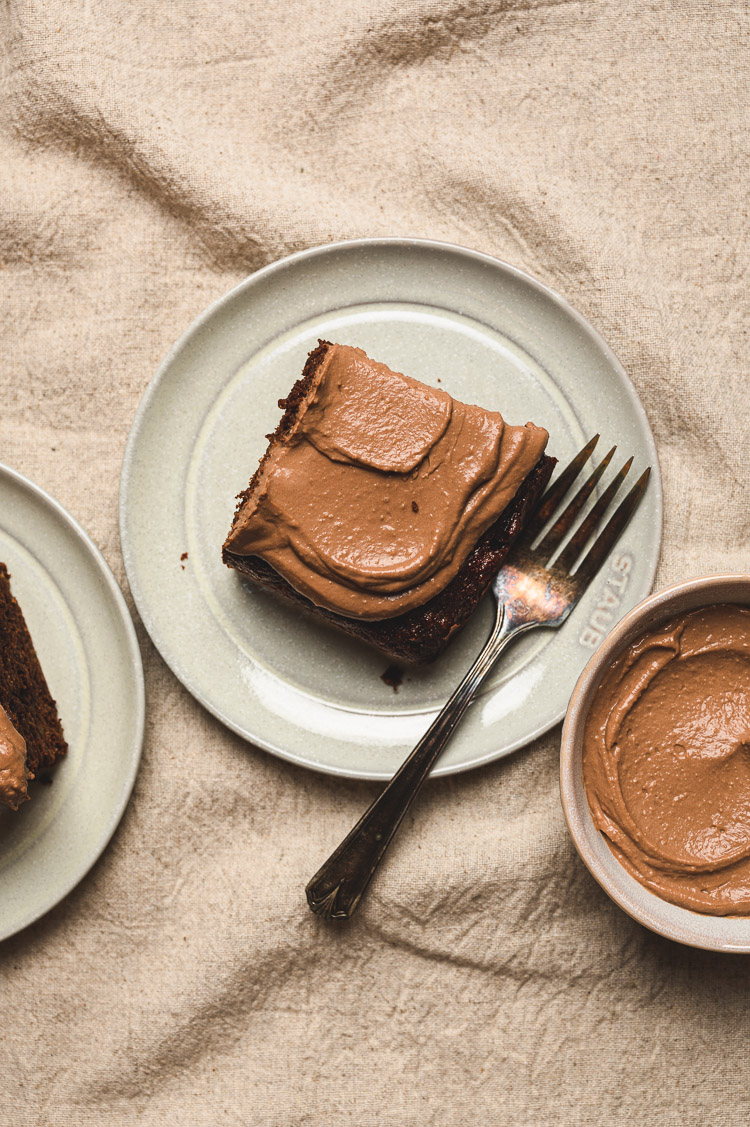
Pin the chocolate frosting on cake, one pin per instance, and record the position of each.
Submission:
(373, 500)
(14, 777)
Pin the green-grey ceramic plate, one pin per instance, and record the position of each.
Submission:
(86, 643)
(488, 334)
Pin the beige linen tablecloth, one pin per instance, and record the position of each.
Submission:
(152, 155)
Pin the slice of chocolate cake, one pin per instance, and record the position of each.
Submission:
(31, 736)
(383, 505)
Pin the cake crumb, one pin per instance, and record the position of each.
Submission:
(393, 676)
(184, 556)
(414, 507)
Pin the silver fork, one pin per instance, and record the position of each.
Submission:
(530, 591)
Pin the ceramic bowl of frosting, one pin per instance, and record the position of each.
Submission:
(655, 763)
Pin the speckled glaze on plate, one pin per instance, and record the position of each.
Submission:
(485, 332)
(713, 933)
(86, 643)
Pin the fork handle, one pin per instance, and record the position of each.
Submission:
(335, 890)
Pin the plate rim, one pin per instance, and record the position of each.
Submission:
(259, 277)
(135, 663)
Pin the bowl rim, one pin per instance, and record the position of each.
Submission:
(679, 924)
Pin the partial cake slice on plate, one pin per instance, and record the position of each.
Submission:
(383, 505)
(31, 735)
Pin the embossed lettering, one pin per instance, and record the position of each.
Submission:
(618, 584)
(601, 619)
(590, 637)
(610, 597)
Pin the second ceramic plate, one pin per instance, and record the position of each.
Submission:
(84, 636)
(485, 332)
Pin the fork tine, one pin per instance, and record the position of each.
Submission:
(564, 522)
(608, 537)
(576, 544)
(559, 488)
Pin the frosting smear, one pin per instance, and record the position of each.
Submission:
(371, 502)
(666, 760)
(14, 776)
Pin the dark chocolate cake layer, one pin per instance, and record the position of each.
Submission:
(23, 689)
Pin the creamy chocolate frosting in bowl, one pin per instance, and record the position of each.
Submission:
(655, 763)
(666, 759)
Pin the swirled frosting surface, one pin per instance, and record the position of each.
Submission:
(666, 760)
(371, 503)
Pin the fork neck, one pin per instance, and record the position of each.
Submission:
(511, 618)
